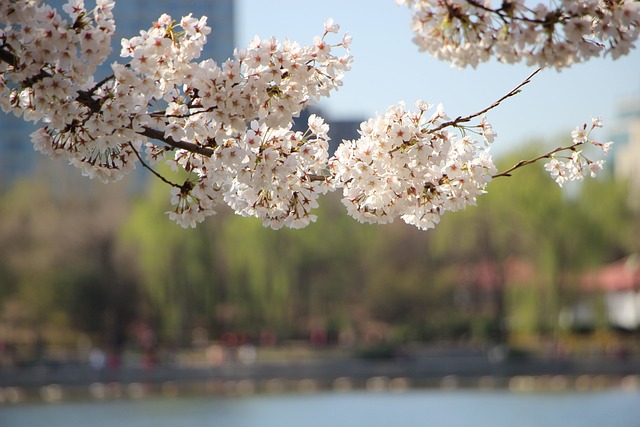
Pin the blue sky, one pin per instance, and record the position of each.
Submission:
(388, 68)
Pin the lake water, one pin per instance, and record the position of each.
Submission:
(353, 409)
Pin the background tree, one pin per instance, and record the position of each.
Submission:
(224, 131)
(63, 272)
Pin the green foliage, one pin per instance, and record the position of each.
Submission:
(173, 265)
(59, 270)
(92, 262)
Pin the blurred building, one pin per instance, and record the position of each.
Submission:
(626, 137)
(17, 156)
(339, 129)
(619, 284)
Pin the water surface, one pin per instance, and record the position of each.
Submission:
(354, 409)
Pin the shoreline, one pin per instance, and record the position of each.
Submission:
(55, 383)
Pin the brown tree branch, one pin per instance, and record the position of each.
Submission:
(189, 146)
(153, 171)
(94, 105)
(459, 120)
(505, 17)
(7, 56)
(548, 155)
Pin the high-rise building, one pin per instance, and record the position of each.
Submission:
(626, 138)
(17, 156)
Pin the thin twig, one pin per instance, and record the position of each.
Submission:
(457, 121)
(153, 171)
(548, 155)
(505, 17)
(161, 113)
(101, 82)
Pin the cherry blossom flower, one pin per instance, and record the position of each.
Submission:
(577, 165)
(226, 128)
(404, 165)
(469, 32)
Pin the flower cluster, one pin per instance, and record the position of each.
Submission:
(577, 165)
(239, 116)
(409, 165)
(226, 129)
(228, 126)
(47, 76)
(205, 103)
(44, 43)
(468, 32)
(272, 174)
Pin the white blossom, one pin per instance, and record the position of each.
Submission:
(236, 117)
(577, 165)
(404, 165)
(226, 129)
(566, 32)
